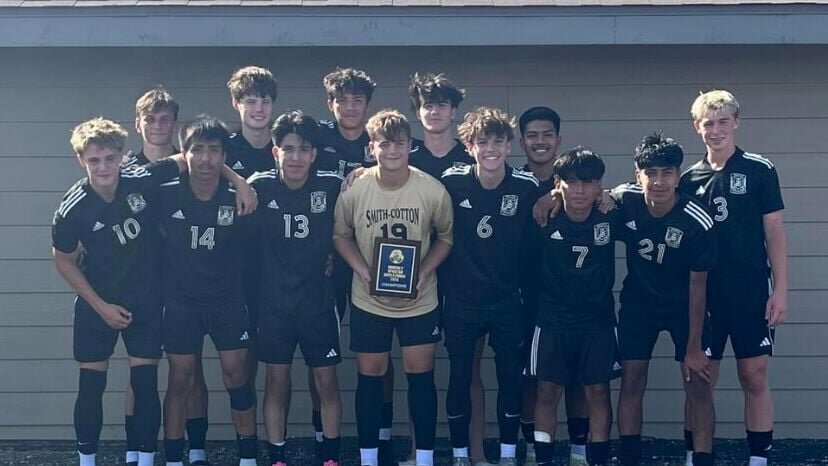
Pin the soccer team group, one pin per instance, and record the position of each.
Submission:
(262, 238)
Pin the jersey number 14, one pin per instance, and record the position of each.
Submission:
(208, 238)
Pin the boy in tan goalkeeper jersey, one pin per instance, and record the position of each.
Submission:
(395, 201)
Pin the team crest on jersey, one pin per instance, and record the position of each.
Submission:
(673, 237)
(368, 156)
(225, 215)
(601, 233)
(508, 205)
(136, 202)
(738, 183)
(319, 202)
(458, 164)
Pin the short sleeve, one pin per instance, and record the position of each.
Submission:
(703, 256)
(65, 236)
(344, 216)
(770, 195)
(444, 217)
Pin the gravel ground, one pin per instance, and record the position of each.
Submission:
(300, 452)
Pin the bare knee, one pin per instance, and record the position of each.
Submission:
(548, 393)
(754, 379)
(326, 381)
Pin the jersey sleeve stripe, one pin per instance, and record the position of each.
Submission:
(758, 158)
(67, 205)
(632, 188)
(331, 174)
(462, 170)
(697, 213)
(522, 176)
(269, 174)
(172, 182)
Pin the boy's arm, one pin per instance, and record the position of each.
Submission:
(695, 361)
(246, 200)
(776, 242)
(67, 266)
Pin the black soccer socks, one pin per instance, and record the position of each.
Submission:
(89, 410)
(422, 404)
(147, 417)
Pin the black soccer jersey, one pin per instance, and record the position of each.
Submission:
(485, 263)
(203, 245)
(578, 270)
(425, 160)
(120, 238)
(738, 196)
(296, 228)
(340, 155)
(245, 159)
(661, 251)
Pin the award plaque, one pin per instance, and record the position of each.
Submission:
(396, 264)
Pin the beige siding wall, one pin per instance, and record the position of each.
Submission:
(609, 98)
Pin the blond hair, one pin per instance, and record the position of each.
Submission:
(100, 132)
(388, 124)
(714, 100)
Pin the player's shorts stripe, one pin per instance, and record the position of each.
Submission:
(699, 214)
(533, 356)
(338, 322)
(758, 158)
(67, 205)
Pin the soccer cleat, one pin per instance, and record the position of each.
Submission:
(200, 463)
(408, 462)
(507, 462)
(461, 462)
(132, 463)
(577, 460)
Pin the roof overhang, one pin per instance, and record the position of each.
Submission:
(250, 26)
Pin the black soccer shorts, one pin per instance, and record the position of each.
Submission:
(371, 333)
(638, 331)
(316, 334)
(574, 356)
(184, 328)
(93, 340)
(505, 322)
(736, 302)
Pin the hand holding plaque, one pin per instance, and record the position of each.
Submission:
(395, 268)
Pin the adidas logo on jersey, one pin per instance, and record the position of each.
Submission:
(179, 215)
(556, 235)
(436, 331)
(616, 366)
(700, 191)
(765, 342)
(466, 204)
(332, 353)
(631, 225)
(98, 226)
(238, 165)
(244, 336)
(272, 205)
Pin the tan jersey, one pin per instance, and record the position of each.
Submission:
(367, 211)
